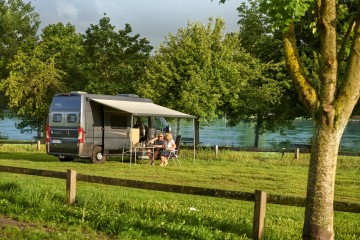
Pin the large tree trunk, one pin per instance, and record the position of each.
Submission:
(39, 129)
(197, 132)
(318, 223)
(259, 123)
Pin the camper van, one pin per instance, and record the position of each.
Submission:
(82, 125)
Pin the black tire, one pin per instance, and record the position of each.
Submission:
(66, 159)
(98, 156)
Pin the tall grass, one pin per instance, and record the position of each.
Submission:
(124, 213)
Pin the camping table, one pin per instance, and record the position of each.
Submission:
(144, 148)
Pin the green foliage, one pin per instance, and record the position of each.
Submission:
(64, 42)
(101, 61)
(31, 85)
(18, 25)
(269, 100)
(257, 34)
(282, 12)
(113, 59)
(201, 67)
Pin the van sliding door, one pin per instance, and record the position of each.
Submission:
(116, 129)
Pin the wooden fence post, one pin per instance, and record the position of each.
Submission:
(297, 153)
(259, 214)
(38, 145)
(71, 186)
(216, 150)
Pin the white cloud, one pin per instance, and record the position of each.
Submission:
(152, 19)
(67, 11)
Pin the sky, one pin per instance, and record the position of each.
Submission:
(152, 19)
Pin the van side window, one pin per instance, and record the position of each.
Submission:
(57, 117)
(71, 118)
(117, 121)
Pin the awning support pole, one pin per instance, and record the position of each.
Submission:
(194, 137)
(131, 127)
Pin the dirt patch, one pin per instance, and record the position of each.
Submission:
(11, 222)
(8, 222)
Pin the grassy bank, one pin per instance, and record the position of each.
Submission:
(125, 213)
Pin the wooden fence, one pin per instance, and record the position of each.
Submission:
(259, 197)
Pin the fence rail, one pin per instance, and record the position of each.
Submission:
(259, 197)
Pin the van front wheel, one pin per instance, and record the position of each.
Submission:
(97, 156)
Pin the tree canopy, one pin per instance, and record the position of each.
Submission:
(32, 83)
(269, 101)
(18, 25)
(64, 42)
(198, 70)
(114, 60)
(101, 61)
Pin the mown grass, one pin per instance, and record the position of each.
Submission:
(124, 213)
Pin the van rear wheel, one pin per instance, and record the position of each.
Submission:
(97, 156)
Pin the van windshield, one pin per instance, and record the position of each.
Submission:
(65, 103)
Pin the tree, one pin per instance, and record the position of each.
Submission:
(196, 71)
(264, 101)
(47, 67)
(330, 99)
(64, 42)
(270, 102)
(113, 60)
(32, 83)
(18, 24)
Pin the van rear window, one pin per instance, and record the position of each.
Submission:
(66, 103)
(57, 117)
(71, 118)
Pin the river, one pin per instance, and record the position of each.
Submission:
(9, 131)
(241, 135)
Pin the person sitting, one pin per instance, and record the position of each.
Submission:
(169, 146)
(158, 143)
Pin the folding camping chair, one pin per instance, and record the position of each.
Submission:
(174, 155)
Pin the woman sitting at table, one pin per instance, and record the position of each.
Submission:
(169, 146)
(158, 143)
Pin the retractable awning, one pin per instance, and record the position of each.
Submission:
(142, 108)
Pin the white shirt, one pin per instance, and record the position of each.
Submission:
(169, 144)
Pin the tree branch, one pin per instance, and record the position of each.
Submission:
(350, 88)
(346, 40)
(302, 84)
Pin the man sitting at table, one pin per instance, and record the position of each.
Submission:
(158, 144)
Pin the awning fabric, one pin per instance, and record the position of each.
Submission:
(141, 108)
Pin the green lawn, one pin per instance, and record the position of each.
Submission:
(125, 213)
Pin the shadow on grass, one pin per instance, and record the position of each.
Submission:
(36, 157)
(43, 157)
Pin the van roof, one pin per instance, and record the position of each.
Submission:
(125, 97)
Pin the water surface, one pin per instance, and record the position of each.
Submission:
(242, 135)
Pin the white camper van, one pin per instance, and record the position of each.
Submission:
(82, 125)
